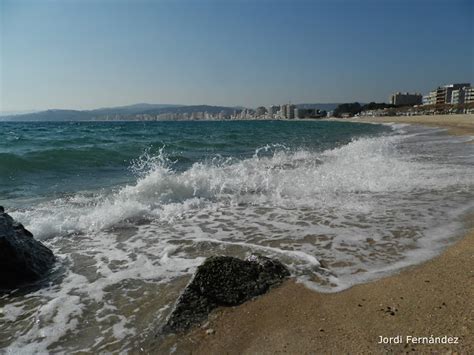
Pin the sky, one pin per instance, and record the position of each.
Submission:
(83, 54)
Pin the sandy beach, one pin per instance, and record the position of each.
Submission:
(434, 301)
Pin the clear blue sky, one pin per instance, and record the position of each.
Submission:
(88, 54)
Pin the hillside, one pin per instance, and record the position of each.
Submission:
(121, 112)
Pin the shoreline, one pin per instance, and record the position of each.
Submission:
(456, 125)
(429, 299)
(432, 299)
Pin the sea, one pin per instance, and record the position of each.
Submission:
(132, 208)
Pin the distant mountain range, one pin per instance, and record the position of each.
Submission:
(132, 111)
(85, 115)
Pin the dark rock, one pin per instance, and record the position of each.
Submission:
(22, 258)
(223, 281)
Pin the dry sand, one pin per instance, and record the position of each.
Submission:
(432, 299)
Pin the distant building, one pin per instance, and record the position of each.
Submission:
(430, 99)
(222, 115)
(469, 95)
(299, 112)
(283, 111)
(273, 110)
(458, 96)
(405, 99)
(290, 111)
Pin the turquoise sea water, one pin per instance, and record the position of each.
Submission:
(132, 208)
(43, 159)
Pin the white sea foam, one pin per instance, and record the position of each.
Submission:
(286, 179)
(366, 209)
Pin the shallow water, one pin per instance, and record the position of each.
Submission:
(131, 209)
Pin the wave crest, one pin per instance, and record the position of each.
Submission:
(273, 176)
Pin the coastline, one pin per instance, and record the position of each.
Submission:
(458, 125)
(432, 299)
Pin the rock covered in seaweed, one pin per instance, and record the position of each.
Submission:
(22, 258)
(223, 281)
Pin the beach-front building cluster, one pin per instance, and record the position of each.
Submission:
(289, 112)
(279, 112)
(445, 99)
(451, 94)
(172, 116)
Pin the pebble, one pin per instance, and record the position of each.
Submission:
(210, 331)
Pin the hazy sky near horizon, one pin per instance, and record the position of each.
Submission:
(88, 54)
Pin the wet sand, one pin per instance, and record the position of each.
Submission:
(435, 299)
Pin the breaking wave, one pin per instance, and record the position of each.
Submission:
(335, 179)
